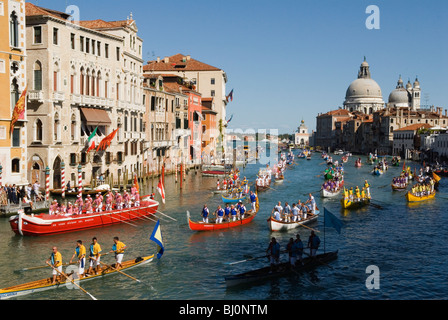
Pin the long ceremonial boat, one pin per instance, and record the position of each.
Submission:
(201, 226)
(232, 200)
(413, 198)
(281, 270)
(275, 225)
(46, 284)
(45, 224)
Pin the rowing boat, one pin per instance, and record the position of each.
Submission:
(46, 284)
(329, 194)
(348, 204)
(45, 224)
(413, 198)
(377, 172)
(232, 200)
(400, 187)
(275, 225)
(281, 270)
(249, 216)
(86, 191)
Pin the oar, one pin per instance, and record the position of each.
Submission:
(250, 259)
(121, 272)
(131, 224)
(302, 225)
(42, 267)
(166, 215)
(72, 281)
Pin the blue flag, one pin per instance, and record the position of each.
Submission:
(157, 238)
(332, 221)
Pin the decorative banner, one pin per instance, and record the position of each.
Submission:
(19, 109)
(105, 143)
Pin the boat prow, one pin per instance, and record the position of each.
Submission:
(275, 225)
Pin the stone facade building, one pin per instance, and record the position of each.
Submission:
(84, 75)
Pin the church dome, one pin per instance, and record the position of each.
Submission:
(363, 87)
(400, 95)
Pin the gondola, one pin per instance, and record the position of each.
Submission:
(413, 198)
(329, 194)
(281, 270)
(348, 204)
(399, 187)
(232, 200)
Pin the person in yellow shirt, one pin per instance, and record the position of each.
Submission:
(80, 253)
(55, 261)
(95, 256)
(118, 248)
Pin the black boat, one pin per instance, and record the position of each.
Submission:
(283, 269)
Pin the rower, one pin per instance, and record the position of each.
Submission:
(118, 247)
(276, 214)
(56, 263)
(253, 201)
(241, 210)
(95, 256)
(298, 246)
(109, 201)
(219, 214)
(295, 213)
(80, 253)
(233, 212)
(313, 203)
(205, 213)
(313, 244)
(137, 200)
(227, 212)
(287, 212)
(367, 186)
(273, 252)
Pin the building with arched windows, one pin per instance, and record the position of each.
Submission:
(84, 82)
(13, 80)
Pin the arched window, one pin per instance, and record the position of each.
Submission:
(73, 130)
(14, 30)
(14, 93)
(81, 81)
(37, 76)
(38, 130)
(56, 77)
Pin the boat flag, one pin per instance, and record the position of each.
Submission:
(161, 190)
(92, 135)
(19, 109)
(105, 143)
(136, 183)
(156, 236)
(230, 96)
(332, 221)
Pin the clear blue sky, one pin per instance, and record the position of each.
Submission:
(290, 60)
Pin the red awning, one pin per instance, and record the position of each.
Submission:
(95, 117)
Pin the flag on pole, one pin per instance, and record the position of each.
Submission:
(230, 96)
(136, 183)
(19, 109)
(161, 190)
(332, 221)
(92, 135)
(156, 236)
(231, 118)
(105, 143)
(92, 147)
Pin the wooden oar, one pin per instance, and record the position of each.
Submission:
(166, 215)
(302, 225)
(119, 271)
(42, 267)
(250, 259)
(131, 224)
(72, 281)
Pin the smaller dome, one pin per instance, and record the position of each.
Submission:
(400, 96)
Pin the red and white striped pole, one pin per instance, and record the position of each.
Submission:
(63, 179)
(47, 184)
(80, 180)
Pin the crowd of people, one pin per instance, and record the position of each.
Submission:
(298, 212)
(233, 185)
(424, 188)
(12, 194)
(357, 195)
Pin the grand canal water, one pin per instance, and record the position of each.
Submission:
(407, 243)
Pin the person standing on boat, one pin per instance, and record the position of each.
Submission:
(287, 212)
(219, 214)
(313, 244)
(80, 204)
(98, 204)
(95, 256)
(109, 201)
(217, 185)
(312, 202)
(118, 247)
(227, 212)
(241, 210)
(80, 253)
(55, 261)
(276, 214)
(205, 214)
(253, 201)
(118, 201)
(298, 249)
(233, 212)
(88, 205)
(273, 252)
(137, 200)
(367, 186)
(295, 213)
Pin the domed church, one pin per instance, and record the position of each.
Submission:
(364, 94)
(408, 97)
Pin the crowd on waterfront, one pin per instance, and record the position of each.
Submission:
(12, 194)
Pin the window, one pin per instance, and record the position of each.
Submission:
(93, 46)
(98, 51)
(72, 40)
(81, 44)
(37, 76)
(15, 166)
(212, 93)
(212, 81)
(87, 45)
(106, 50)
(118, 54)
(16, 137)
(37, 35)
(55, 36)
(38, 131)
(14, 93)
(14, 30)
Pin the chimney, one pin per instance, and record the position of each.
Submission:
(158, 59)
(166, 60)
(188, 58)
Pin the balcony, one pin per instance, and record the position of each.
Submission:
(58, 96)
(36, 95)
